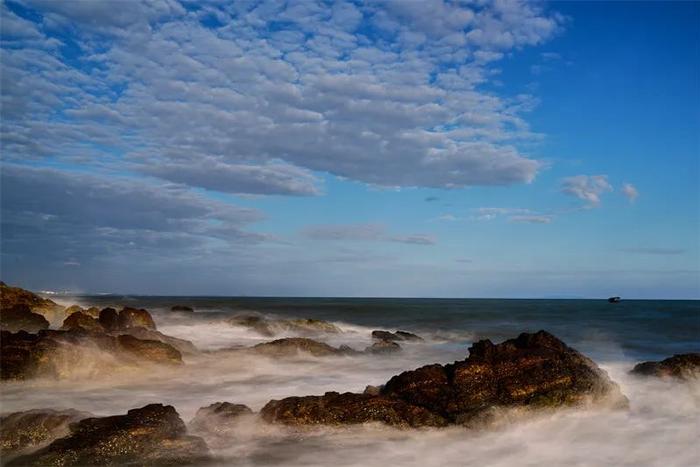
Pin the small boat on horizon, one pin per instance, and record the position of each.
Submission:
(614, 299)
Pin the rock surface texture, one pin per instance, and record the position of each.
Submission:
(532, 371)
(21, 431)
(682, 366)
(21, 318)
(151, 435)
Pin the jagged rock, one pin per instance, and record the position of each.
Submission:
(151, 435)
(335, 409)
(292, 346)
(11, 296)
(184, 346)
(533, 371)
(383, 347)
(132, 317)
(20, 318)
(395, 336)
(184, 308)
(217, 422)
(80, 319)
(57, 354)
(109, 319)
(682, 366)
(21, 431)
(271, 327)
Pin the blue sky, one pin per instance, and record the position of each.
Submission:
(437, 149)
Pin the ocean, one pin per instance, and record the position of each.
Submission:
(661, 428)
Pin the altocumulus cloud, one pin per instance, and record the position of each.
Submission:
(262, 94)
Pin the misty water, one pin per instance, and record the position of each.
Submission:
(661, 428)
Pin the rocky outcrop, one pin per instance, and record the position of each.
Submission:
(533, 371)
(11, 296)
(73, 309)
(217, 422)
(81, 320)
(20, 318)
(682, 366)
(93, 311)
(22, 431)
(383, 347)
(109, 319)
(152, 435)
(395, 336)
(292, 346)
(184, 346)
(133, 318)
(59, 354)
(182, 308)
(272, 327)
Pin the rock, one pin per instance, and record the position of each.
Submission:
(372, 390)
(217, 423)
(271, 327)
(109, 319)
(184, 346)
(184, 308)
(383, 347)
(79, 319)
(73, 309)
(292, 346)
(395, 336)
(682, 366)
(151, 435)
(132, 317)
(533, 371)
(335, 409)
(59, 354)
(255, 323)
(21, 431)
(20, 318)
(93, 311)
(151, 351)
(11, 296)
(308, 325)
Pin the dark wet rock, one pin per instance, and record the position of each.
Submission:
(271, 327)
(22, 431)
(383, 347)
(150, 350)
(20, 318)
(533, 371)
(11, 296)
(291, 346)
(335, 409)
(109, 318)
(132, 318)
(80, 319)
(59, 354)
(395, 336)
(183, 308)
(217, 422)
(152, 435)
(184, 346)
(682, 366)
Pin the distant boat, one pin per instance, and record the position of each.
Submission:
(614, 299)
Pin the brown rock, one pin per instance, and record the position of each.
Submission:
(292, 346)
(79, 319)
(21, 318)
(152, 435)
(93, 311)
(11, 296)
(132, 317)
(73, 309)
(395, 336)
(184, 346)
(383, 347)
(151, 351)
(21, 431)
(217, 423)
(682, 366)
(109, 319)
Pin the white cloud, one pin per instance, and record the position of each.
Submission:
(364, 232)
(588, 188)
(531, 219)
(630, 191)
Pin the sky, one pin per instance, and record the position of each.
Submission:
(394, 149)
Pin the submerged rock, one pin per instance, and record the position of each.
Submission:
(81, 320)
(271, 327)
(58, 354)
(184, 308)
(21, 318)
(395, 336)
(132, 318)
(21, 431)
(383, 347)
(682, 366)
(292, 346)
(151, 435)
(533, 371)
(184, 346)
